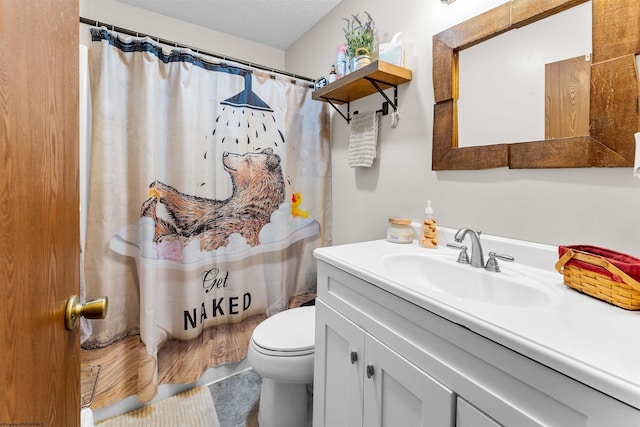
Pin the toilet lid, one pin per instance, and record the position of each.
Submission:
(288, 331)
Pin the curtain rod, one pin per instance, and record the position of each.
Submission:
(195, 49)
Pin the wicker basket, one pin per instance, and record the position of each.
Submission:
(593, 271)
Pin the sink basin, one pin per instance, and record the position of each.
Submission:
(443, 274)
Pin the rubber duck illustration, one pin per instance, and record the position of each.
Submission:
(296, 201)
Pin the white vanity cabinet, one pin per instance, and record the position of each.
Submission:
(429, 371)
(365, 383)
(468, 416)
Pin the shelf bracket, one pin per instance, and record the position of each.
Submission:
(335, 107)
(385, 105)
(394, 103)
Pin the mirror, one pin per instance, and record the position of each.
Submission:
(614, 93)
(509, 69)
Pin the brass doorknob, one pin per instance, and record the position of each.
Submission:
(94, 309)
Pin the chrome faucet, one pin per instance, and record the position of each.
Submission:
(477, 257)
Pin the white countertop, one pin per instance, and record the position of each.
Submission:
(588, 340)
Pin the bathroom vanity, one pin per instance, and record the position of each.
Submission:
(406, 336)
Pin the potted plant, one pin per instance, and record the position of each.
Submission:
(359, 36)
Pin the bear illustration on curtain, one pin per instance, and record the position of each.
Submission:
(257, 181)
(258, 191)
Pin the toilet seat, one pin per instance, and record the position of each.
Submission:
(286, 334)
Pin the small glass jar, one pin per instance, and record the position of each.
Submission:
(400, 230)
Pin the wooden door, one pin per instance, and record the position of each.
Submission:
(39, 219)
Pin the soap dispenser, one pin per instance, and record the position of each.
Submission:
(429, 238)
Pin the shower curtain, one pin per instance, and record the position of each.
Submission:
(209, 190)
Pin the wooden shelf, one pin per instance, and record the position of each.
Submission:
(359, 83)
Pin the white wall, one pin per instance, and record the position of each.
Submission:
(136, 19)
(597, 206)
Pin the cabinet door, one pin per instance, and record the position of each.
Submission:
(338, 370)
(469, 416)
(397, 393)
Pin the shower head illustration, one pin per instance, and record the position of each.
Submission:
(247, 98)
(247, 119)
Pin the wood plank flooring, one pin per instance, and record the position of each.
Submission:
(178, 361)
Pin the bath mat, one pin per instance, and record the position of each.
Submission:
(237, 399)
(193, 408)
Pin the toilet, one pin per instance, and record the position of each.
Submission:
(281, 351)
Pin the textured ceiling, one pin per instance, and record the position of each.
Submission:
(275, 23)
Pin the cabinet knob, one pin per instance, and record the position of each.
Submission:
(369, 371)
(354, 357)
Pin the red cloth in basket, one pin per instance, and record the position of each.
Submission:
(626, 263)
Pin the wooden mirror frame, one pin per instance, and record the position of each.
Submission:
(615, 93)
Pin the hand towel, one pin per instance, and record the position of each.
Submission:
(636, 163)
(363, 139)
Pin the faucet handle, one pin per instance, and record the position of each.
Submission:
(463, 258)
(492, 262)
